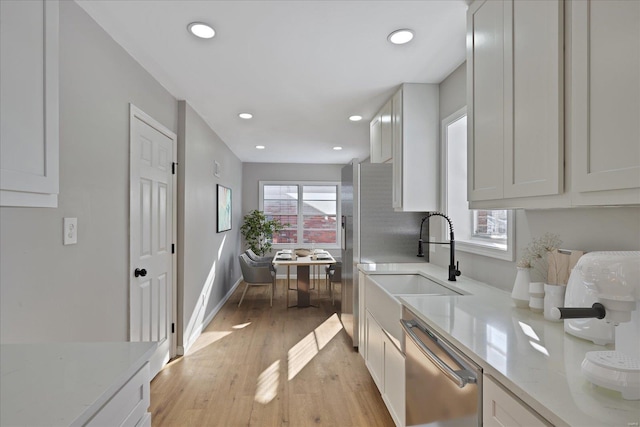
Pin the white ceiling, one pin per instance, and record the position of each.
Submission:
(300, 67)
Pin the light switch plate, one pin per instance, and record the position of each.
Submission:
(70, 231)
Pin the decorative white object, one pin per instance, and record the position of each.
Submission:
(553, 297)
(520, 292)
(536, 297)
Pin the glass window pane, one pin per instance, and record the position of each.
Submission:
(286, 192)
(491, 224)
(286, 236)
(319, 222)
(319, 192)
(320, 236)
(319, 207)
(280, 207)
(317, 210)
(291, 220)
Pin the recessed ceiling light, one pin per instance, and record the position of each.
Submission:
(202, 30)
(245, 116)
(355, 118)
(400, 36)
(337, 148)
(260, 147)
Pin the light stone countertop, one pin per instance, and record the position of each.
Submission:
(534, 358)
(63, 384)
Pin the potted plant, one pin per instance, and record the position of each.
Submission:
(257, 230)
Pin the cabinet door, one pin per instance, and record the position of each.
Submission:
(375, 351)
(362, 316)
(605, 48)
(375, 139)
(394, 389)
(29, 103)
(396, 138)
(386, 142)
(500, 408)
(486, 103)
(533, 139)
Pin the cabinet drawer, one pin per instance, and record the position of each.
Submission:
(128, 406)
(501, 408)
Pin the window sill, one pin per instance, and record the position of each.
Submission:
(487, 249)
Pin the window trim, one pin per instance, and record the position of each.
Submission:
(335, 245)
(475, 246)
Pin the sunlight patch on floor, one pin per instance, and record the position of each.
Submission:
(207, 338)
(327, 330)
(241, 325)
(268, 381)
(307, 348)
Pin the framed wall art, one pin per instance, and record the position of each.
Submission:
(224, 208)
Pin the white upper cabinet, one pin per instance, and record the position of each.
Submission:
(380, 135)
(515, 99)
(485, 100)
(29, 103)
(605, 97)
(415, 129)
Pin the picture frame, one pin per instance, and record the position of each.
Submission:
(225, 210)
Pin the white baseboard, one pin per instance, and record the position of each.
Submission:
(181, 350)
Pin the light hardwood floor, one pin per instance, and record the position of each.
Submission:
(257, 365)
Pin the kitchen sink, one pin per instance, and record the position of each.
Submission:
(381, 295)
(411, 284)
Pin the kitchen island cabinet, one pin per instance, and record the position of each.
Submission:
(75, 384)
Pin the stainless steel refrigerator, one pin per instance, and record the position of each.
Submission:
(372, 232)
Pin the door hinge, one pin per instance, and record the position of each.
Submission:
(173, 248)
(173, 328)
(173, 168)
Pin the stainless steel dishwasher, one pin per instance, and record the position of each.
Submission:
(443, 387)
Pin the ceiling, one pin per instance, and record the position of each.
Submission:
(300, 67)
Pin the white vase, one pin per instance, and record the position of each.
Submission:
(520, 292)
(536, 297)
(553, 297)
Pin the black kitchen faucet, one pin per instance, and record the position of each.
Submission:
(453, 265)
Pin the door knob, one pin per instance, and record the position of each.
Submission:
(140, 272)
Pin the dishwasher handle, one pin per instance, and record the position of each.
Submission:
(460, 377)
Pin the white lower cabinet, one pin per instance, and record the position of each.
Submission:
(500, 408)
(394, 381)
(375, 351)
(128, 407)
(385, 362)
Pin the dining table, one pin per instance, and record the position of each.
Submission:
(304, 261)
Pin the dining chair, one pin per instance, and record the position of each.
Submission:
(256, 274)
(333, 275)
(257, 258)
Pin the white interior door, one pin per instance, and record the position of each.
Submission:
(152, 230)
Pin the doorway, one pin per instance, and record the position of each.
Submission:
(152, 236)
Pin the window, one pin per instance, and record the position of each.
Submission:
(485, 232)
(309, 211)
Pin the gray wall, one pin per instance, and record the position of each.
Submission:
(588, 229)
(51, 292)
(207, 264)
